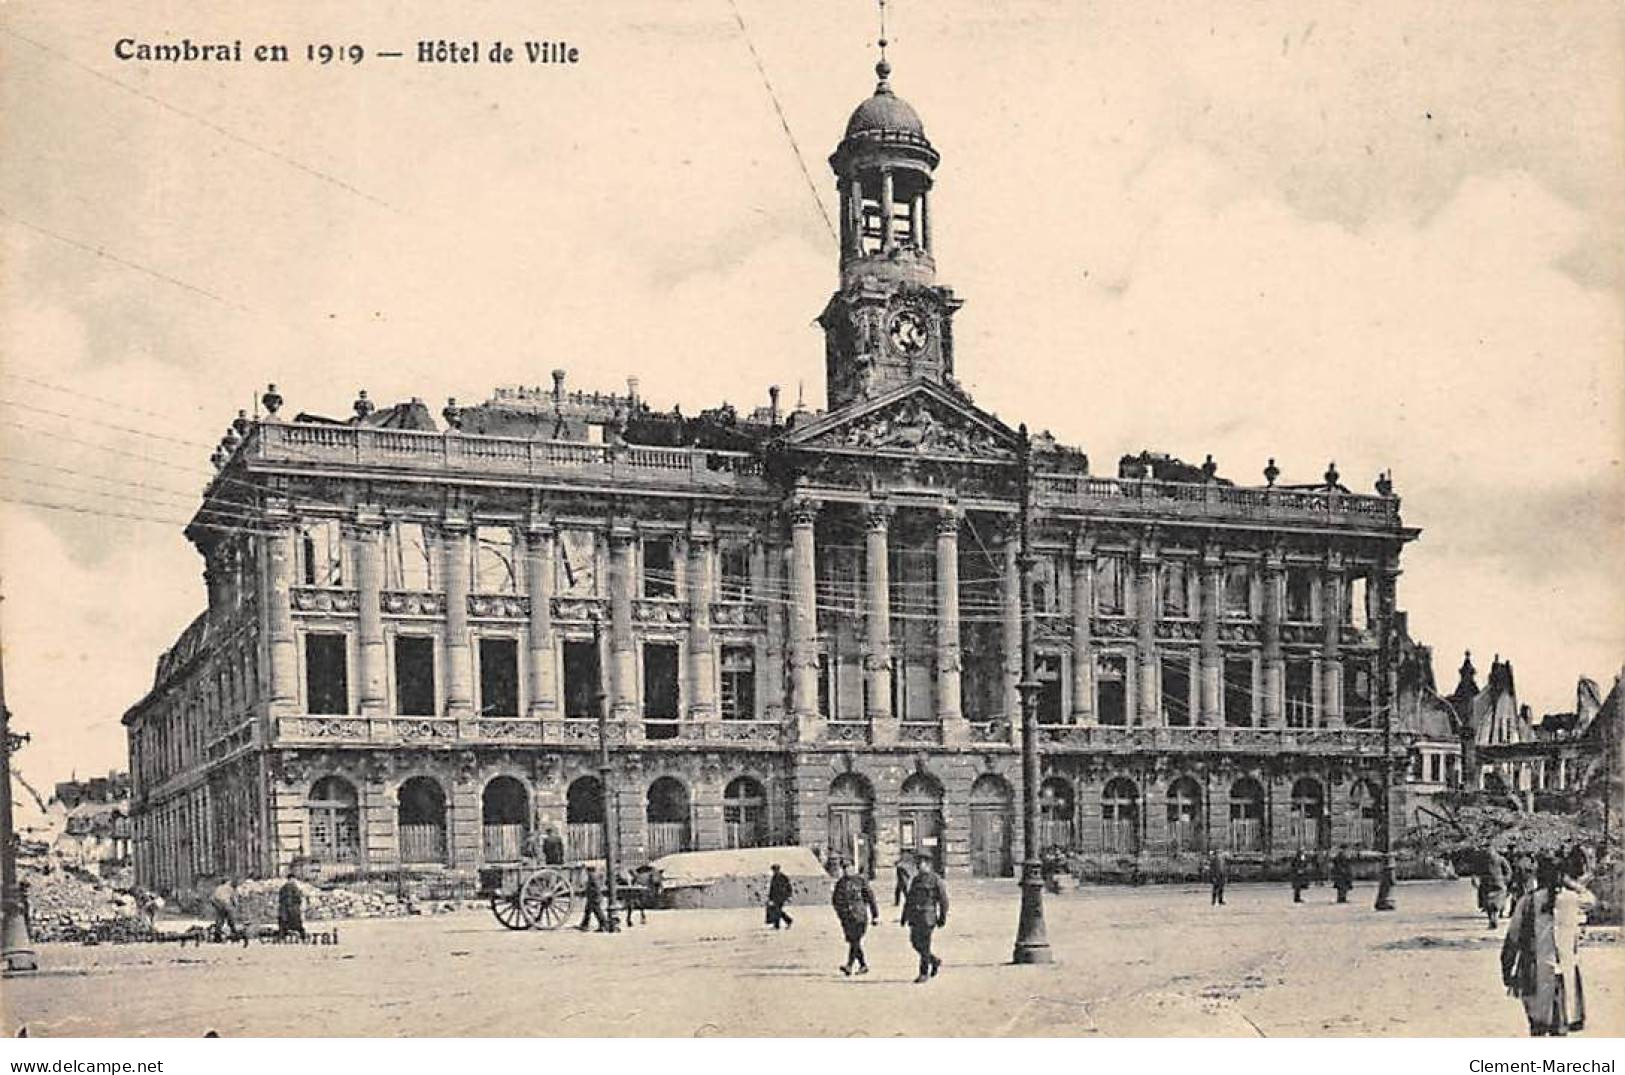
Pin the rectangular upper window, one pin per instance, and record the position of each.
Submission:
(1238, 586)
(495, 560)
(576, 564)
(733, 556)
(414, 676)
(499, 677)
(738, 696)
(327, 674)
(1109, 586)
(659, 568)
(1111, 689)
(1299, 595)
(580, 679)
(1175, 591)
(321, 554)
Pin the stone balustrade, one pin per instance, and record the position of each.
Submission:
(1210, 500)
(301, 442)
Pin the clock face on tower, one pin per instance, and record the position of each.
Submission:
(908, 332)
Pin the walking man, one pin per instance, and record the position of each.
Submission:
(778, 894)
(924, 910)
(1217, 874)
(593, 897)
(855, 907)
(223, 901)
(290, 909)
(1492, 886)
(1300, 875)
(1342, 874)
(905, 874)
(552, 847)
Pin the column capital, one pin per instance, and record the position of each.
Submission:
(455, 522)
(877, 515)
(949, 516)
(622, 531)
(700, 532)
(539, 528)
(803, 511)
(1083, 544)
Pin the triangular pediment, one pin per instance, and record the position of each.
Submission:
(920, 418)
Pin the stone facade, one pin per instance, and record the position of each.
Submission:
(806, 626)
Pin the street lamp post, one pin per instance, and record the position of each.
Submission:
(611, 819)
(1389, 703)
(1032, 939)
(15, 943)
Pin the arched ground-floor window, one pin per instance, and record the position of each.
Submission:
(1056, 811)
(1120, 817)
(1246, 816)
(584, 819)
(667, 814)
(422, 821)
(1184, 815)
(744, 813)
(505, 816)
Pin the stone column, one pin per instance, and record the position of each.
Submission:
(888, 235)
(702, 655)
(1331, 610)
(1270, 636)
(877, 617)
(854, 222)
(540, 659)
(1011, 622)
(454, 552)
(623, 650)
(766, 583)
(281, 644)
(366, 552)
(1149, 711)
(1083, 614)
(950, 710)
(1212, 661)
(804, 622)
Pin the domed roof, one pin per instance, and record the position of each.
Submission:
(885, 111)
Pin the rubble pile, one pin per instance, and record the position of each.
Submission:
(257, 902)
(67, 906)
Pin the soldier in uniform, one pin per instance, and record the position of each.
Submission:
(925, 909)
(905, 874)
(552, 847)
(1217, 875)
(1300, 875)
(1492, 885)
(854, 903)
(593, 898)
(779, 890)
(1342, 874)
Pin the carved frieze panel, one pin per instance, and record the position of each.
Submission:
(498, 606)
(412, 603)
(658, 612)
(580, 609)
(318, 599)
(426, 731)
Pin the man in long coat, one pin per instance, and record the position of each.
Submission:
(1217, 875)
(855, 908)
(924, 910)
(1492, 885)
(1540, 957)
(1300, 875)
(1342, 874)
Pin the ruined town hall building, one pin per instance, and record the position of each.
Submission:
(806, 624)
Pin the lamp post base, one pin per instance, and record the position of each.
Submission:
(1032, 940)
(18, 953)
(1385, 886)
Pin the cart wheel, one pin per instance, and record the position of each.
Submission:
(509, 911)
(545, 899)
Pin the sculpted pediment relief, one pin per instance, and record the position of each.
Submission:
(920, 422)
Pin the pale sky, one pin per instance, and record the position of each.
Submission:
(1387, 234)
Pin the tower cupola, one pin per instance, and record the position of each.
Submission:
(889, 322)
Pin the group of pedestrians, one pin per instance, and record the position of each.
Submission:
(919, 891)
(1540, 955)
(1301, 873)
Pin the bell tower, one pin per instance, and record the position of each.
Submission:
(889, 322)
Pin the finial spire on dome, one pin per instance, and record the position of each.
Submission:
(883, 68)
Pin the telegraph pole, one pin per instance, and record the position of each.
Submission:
(18, 948)
(612, 856)
(1032, 939)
